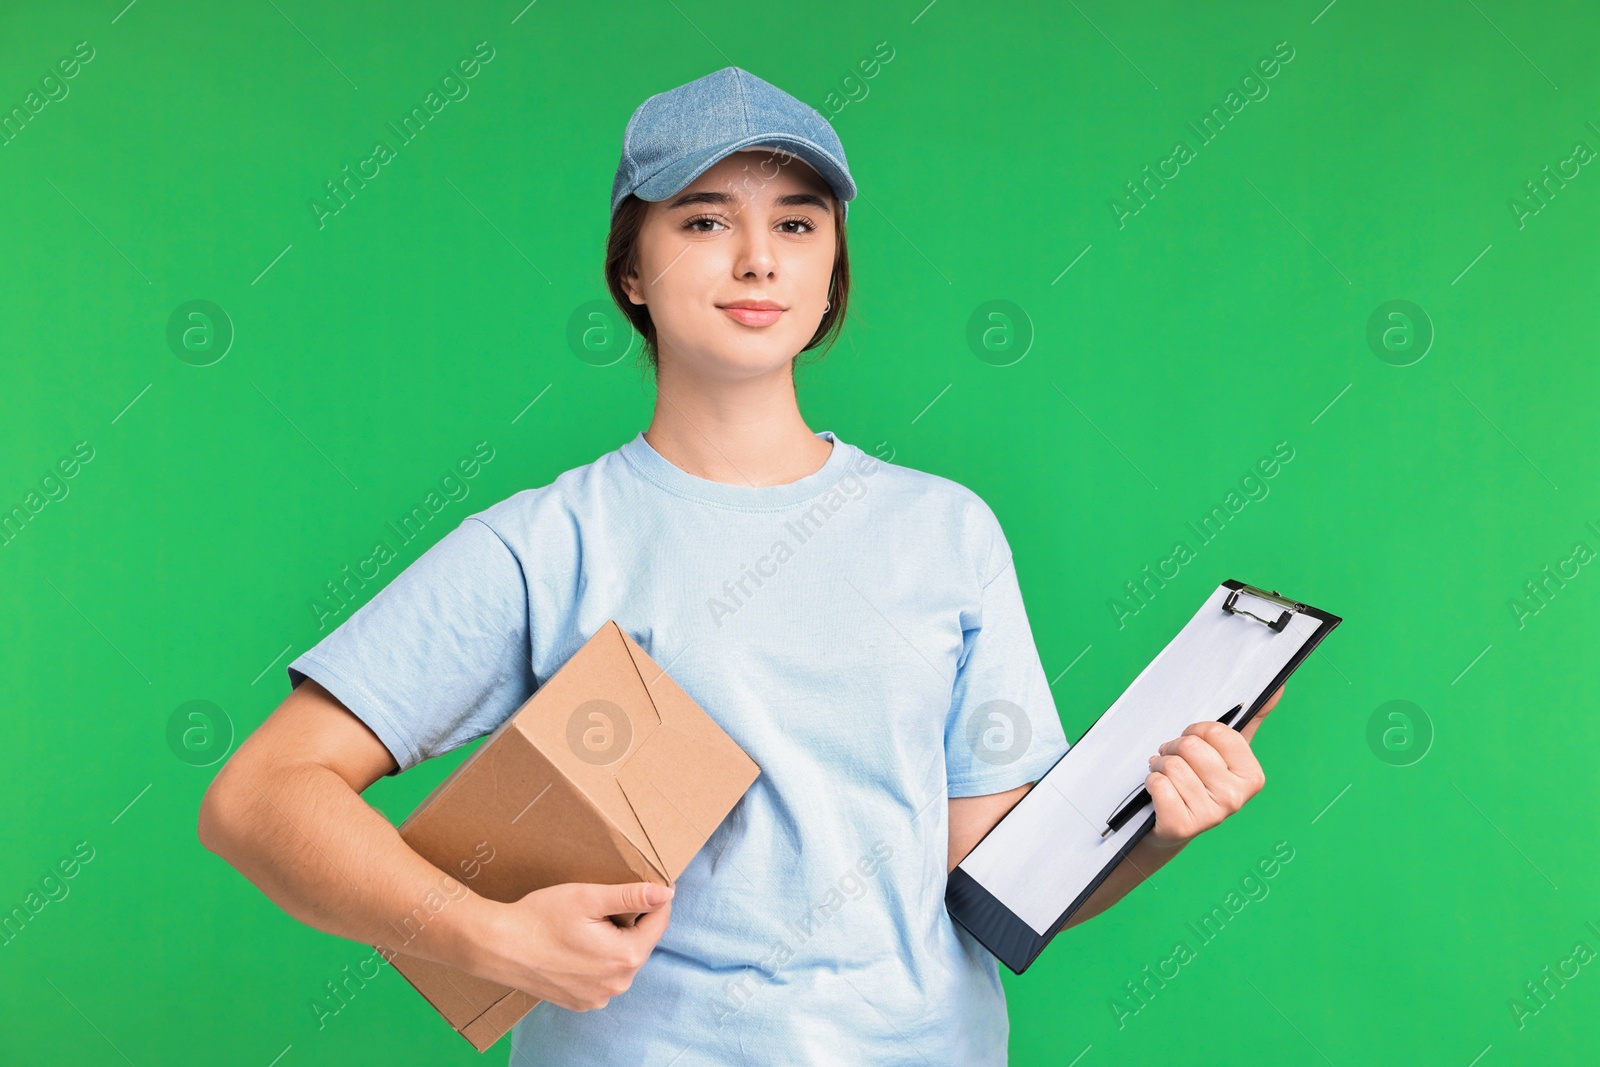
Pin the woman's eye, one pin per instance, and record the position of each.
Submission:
(709, 223)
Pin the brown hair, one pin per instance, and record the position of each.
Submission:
(622, 258)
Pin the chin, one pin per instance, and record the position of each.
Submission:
(742, 352)
(750, 360)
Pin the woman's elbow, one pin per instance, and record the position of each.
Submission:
(218, 810)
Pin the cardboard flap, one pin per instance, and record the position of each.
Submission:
(679, 824)
(671, 705)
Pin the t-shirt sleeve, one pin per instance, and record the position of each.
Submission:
(440, 655)
(1003, 729)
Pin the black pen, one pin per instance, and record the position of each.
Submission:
(1142, 796)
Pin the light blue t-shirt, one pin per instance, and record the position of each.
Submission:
(859, 632)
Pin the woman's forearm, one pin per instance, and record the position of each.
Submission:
(314, 846)
(1143, 860)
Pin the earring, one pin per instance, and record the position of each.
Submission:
(826, 306)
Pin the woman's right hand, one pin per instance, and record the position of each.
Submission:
(560, 944)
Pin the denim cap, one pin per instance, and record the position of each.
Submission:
(676, 136)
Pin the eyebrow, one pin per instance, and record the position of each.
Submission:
(724, 199)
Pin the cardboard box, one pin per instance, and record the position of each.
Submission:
(610, 773)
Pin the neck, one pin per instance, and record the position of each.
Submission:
(745, 431)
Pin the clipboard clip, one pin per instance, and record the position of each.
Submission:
(1286, 606)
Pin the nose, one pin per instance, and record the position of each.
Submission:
(757, 253)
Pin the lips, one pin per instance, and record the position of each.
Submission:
(753, 312)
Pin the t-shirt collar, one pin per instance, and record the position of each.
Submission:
(643, 457)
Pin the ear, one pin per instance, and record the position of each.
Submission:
(630, 285)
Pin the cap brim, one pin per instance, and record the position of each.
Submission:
(676, 177)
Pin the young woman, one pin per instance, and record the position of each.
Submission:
(855, 626)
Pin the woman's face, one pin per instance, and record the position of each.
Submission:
(757, 228)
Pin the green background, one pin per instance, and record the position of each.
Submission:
(1228, 315)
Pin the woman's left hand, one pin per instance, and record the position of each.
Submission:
(1203, 776)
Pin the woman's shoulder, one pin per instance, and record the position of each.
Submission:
(944, 502)
(538, 512)
(926, 488)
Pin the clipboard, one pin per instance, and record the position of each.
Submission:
(1026, 878)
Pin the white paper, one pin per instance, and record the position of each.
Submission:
(1048, 849)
